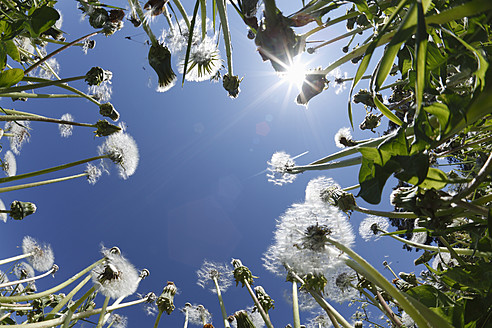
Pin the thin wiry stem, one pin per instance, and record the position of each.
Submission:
(295, 306)
(41, 183)
(221, 302)
(47, 273)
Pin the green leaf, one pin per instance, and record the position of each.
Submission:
(42, 19)
(435, 178)
(385, 110)
(10, 77)
(190, 38)
(415, 168)
(441, 112)
(477, 276)
(432, 317)
(12, 50)
(372, 178)
(429, 296)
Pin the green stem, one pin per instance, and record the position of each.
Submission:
(221, 7)
(67, 298)
(221, 302)
(136, 5)
(327, 166)
(100, 322)
(73, 307)
(38, 95)
(374, 275)
(295, 306)
(452, 251)
(263, 314)
(41, 183)
(6, 118)
(24, 298)
(66, 87)
(39, 85)
(57, 51)
(47, 273)
(341, 37)
(181, 9)
(393, 215)
(203, 12)
(17, 112)
(158, 319)
(14, 258)
(51, 169)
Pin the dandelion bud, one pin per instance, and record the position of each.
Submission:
(314, 83)
(98, 17)
(231, 84)
(116, 15)
(337, 197)
(144, 273)
(358, 324)
(251, 35)
(112, 27)
(160, 61)
(316, 282)
(345, 49)
(241, 273)
(107, 110)
(264, 299)
(371, 121)
(165, 302)
(243, 320)
(404, 198)
(310, 50)
(104, 128)
(96, 75)
(409, 277)
(155, 7)
(89, 44)
(19, 210)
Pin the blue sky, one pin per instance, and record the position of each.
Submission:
(200, 190)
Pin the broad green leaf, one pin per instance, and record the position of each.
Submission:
(441, 112)
(433, 318)
(372, 178)
(372, 154)
(429, 296)
(363, 7)
(386, 111)
(42, 19)
(477, 276)
(10, 77)
(12, 50)
(396, 145)
(414, 168)
(435, 178)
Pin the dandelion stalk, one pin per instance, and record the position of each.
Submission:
(295, 306)
(138, 9)
(22, 281)
(57, 51)
(78, 316)
(341, 37)
(38, 95)
(12, 299)
(327, 166)
(263, 314)
(42, 183)
(100, 322)
(9, 118)
(458, 251)
(221, 302)
(71, 309)
(67, 298)
(181, 9)
(376, 277)
(39, 85)
(221, 8)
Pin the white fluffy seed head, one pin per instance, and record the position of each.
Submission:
(20, 134)
(116, 276)
(123, 151)
(278, 167)
(9, 164)
(93, 173)
(198, 314)
(418, 237)
(321, 320)
(370, 226)
(209, 270)
(3, 216)
(45, 71)
(176, 39)
(299, 239)
(316, 187)
(42, 257)
(204, 61)
(343, 138)
(66, 130)
(22, 270)
(340, 284)
(118, 321)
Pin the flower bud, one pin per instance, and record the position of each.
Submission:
(243, 320)
(107, 110)
(371, 121)
(316, 282)
(231, 84)
(264, 299)
(165, 302)
(241, 273)
(98, 17)
(96, 75)
(160, 61)
(19, 210)
(104, 128)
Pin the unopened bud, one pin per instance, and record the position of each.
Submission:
(160, 60)
(96, 75)
(231, 84)
(104, 128)
(107, 110)
(19, 210)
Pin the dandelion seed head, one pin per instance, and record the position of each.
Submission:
(319, 321)
(370, 226)
(93, 173)
(198, 314)
(101, 92)
(42, 257)
(66, 130)
(339, 287)
(316, 187)
(116, 276)
(212, 270)
(339, 80)
(20, 134)
(22, 270)
(418, 237)
(3, 216)
(204, 61)
(445, 260)
(343, 138)
(45, 72)
(407, 320)
(299, 239)
(123, 151)
(278, 168)
(9, 164)
(176, 38)
(118, 321)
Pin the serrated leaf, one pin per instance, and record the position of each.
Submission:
(10, 77)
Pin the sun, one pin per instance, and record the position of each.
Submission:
(295, 74)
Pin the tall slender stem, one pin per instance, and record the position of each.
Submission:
(47, 273)
(100, 322)
(295, 306)
(221, 302)
(41, 183)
